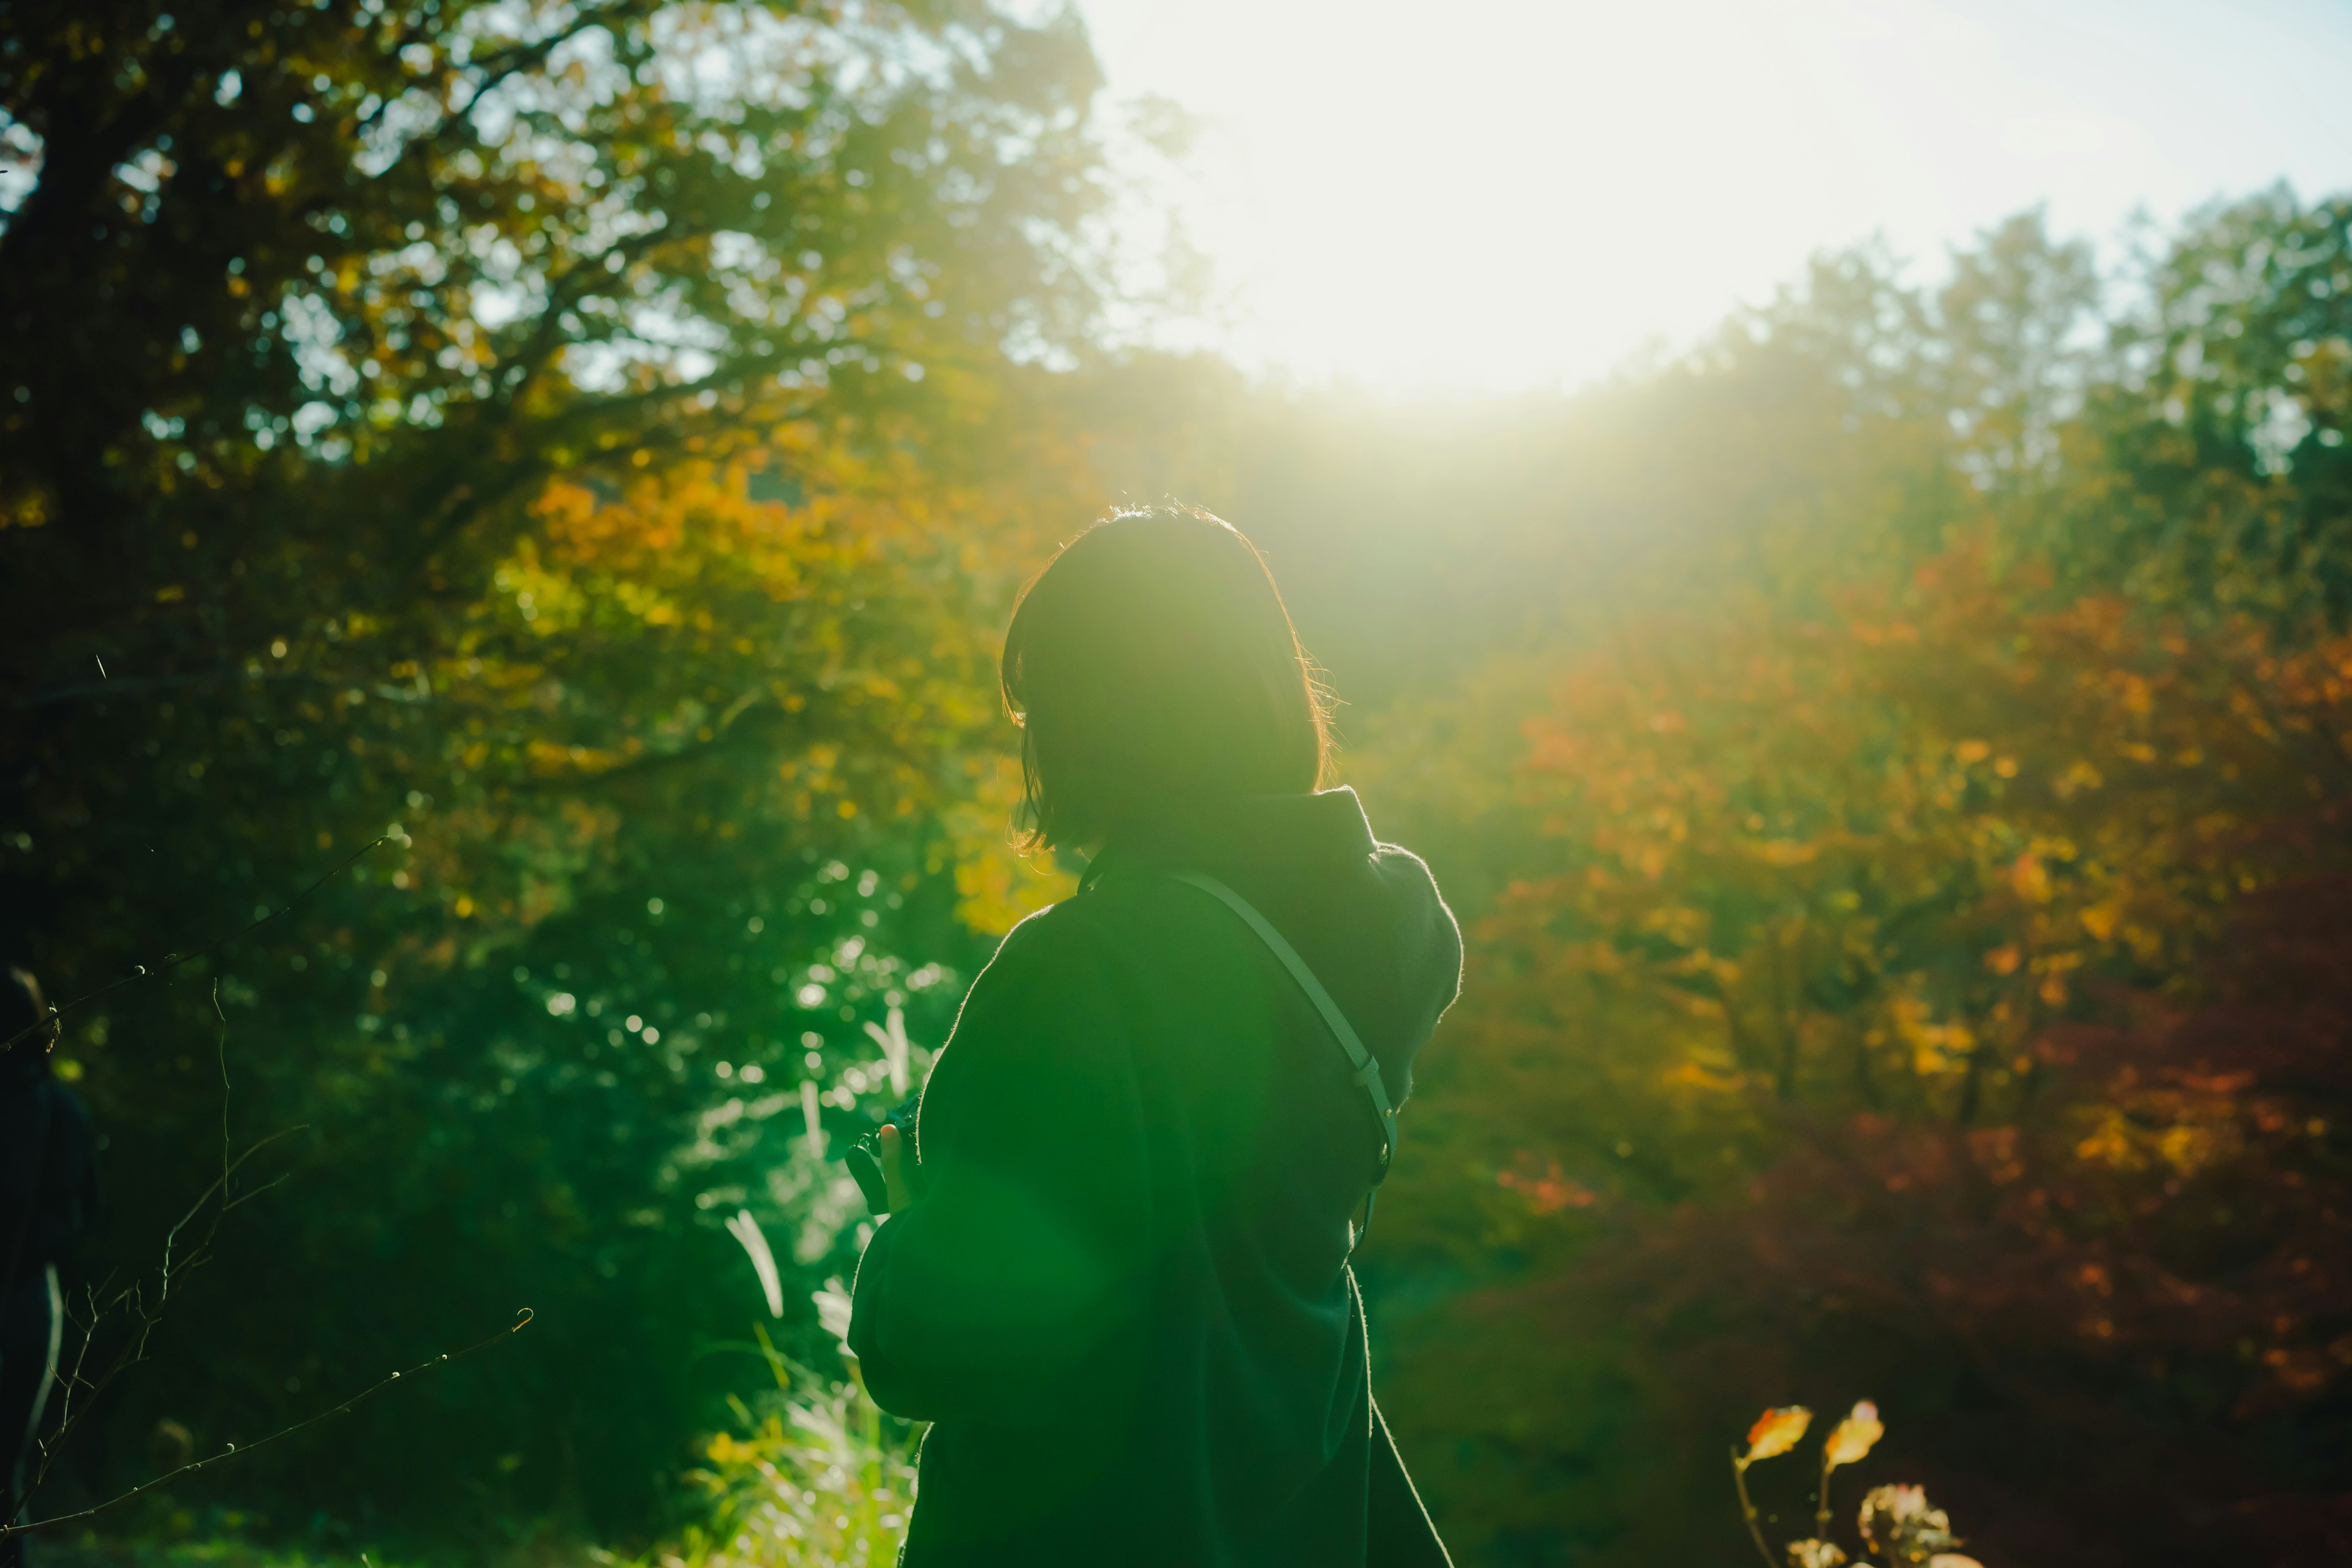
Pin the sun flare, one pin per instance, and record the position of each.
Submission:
(1532, 192)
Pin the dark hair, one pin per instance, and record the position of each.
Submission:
(1152, 668)
(21, 1007)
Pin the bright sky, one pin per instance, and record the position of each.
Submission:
(1477, 193)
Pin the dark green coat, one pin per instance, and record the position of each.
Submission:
(1123, 1295)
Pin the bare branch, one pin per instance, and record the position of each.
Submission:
(522, 1321)
(220, 1185)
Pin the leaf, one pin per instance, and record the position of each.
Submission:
(1776, 1431)
(1855, 1436)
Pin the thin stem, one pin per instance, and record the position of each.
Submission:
(1747, 1508)
(522, 1321)
(222, 1044)
(1821, 1512)
(220, 1185)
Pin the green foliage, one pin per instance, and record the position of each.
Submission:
(226, 1551)
(2212, 473)
(1891, 760)
(818, 1477)
(586, 445)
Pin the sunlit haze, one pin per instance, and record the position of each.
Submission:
(1503, 192)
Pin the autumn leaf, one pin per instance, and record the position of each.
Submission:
(1854, 1437)
(1776, 1431)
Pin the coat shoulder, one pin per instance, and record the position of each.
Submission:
(1437, 934)
(1054, 952)
(1054, 938)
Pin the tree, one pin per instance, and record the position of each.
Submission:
(2210, 473)
(1870, 1029)
(589, 445)
(1896, 920)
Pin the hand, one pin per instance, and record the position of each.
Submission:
(890, 1153)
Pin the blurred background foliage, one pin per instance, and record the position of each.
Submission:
(1890, 761)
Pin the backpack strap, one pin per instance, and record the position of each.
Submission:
(1368, 1069)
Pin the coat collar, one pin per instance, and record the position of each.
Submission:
(1261, 829)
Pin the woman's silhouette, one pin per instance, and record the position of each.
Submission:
(1116, 1278)
(48, 1190)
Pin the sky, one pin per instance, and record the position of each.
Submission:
(1492, 195)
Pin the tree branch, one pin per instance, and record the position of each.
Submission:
(522, 1321)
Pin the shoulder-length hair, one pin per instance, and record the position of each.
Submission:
(1154, 671)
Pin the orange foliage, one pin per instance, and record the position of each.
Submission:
(1931, 977)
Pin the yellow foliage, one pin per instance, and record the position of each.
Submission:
(997, 884)
(1776, 1431)
(1853, 1437)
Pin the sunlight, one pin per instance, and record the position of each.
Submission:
(625, 624)
(1532, 191)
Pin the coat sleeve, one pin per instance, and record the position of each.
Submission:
(1023, 1261)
